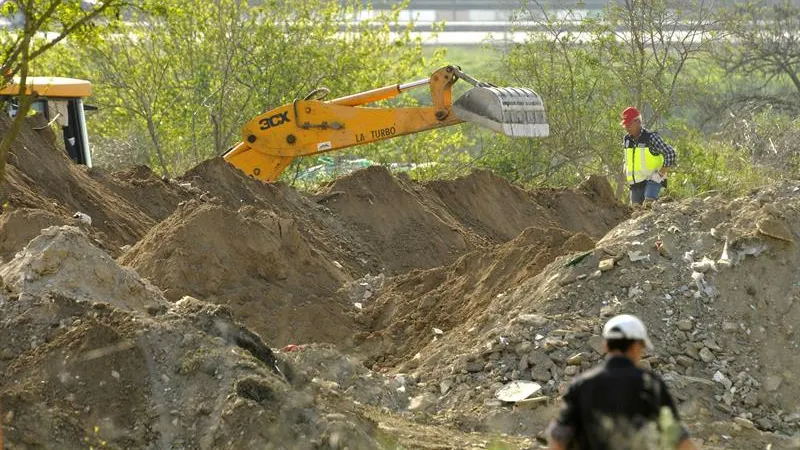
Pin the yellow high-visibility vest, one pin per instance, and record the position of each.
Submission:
(640, 164)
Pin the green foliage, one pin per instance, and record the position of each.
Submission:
(180, 79)
(767, 50)
(713, 165)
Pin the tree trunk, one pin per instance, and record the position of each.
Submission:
(151, 127)
(24, 106)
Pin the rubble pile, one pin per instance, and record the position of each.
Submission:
(714, 280)
(215, 311)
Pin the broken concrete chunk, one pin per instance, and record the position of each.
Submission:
(636, 255)
(704, 265)
(606, 265)
(775, 228)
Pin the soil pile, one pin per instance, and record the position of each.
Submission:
(713, 279)
(154, 323)
(41, 176)
(85, 366)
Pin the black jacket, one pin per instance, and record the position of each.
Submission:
(617, 406)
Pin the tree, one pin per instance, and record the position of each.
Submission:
(588, 68)
(20, 47)
(767, 49)
(191, 74)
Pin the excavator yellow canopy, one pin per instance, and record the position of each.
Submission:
(52, 87)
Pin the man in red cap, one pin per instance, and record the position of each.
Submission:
(647, 158)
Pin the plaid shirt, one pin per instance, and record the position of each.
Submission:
(657, 146)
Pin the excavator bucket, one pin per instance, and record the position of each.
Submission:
(516, 112)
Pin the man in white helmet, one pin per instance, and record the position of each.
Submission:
(618, 405)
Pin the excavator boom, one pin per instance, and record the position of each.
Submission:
(312, 126)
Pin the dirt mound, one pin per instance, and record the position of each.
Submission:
(19, 226)
(713, 279)
(493, 208)
(41, 176)
(80, 374)
(252, 260)
(62, 261)
(415, 310)
(139, 186)
(384, 212)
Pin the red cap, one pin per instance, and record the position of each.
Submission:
(629, 115)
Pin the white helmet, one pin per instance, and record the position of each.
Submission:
(626, 326)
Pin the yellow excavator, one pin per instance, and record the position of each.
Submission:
(58, 100)
(312, 125)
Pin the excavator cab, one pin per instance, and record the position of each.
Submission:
(59, 100)
(313, 125)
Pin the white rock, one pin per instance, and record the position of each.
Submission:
(720, 378)
(637, 255)
(83, 218)
(438, 331)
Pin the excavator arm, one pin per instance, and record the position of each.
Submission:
(312, 126)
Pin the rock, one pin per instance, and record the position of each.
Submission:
(764, 424)
(523, 348)
(772, 383)
(750, 400)
(534, 320)
(596, 274)
(724, 408)
(744, 423)
(540, 360)
(422, 403)
(691, 352)
(492, 403)
(567, 279)
(445, 386)
(571, 370)
(645, 364)
(684, 361)
(729, 327)
(541, 375)
(575, 360)
(775, 228)
(597, 344)
(475, 366)
(720, 378)
(606, 265)
(685, 325)
(706, 355)
(523, 363)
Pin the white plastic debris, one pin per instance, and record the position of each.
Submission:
(637, 255)
(337, 264)
(704, 265)
(724, 260)
(503, 340)
(688, 257)
(700, 281)
(83, 218)
(438, 331)
(358, 306)
(635, 291)
(517, 390)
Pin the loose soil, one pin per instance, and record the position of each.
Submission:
(215, 311)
